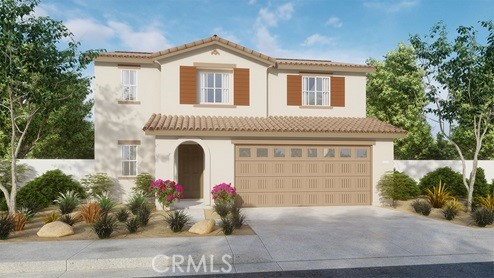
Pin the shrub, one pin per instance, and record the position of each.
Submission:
(451, 209)
(20, 220)
(90, 212)
(483, 217)
(45, 189)
(104, 226)
(481, 187)
(97, 184)
(397, 186)
(176, 220)
(223, 194)
(132, 224)
(453, 181)
(67, 218)
(168, 192)
(105, 202)
(67, 201)
(222, 209)
(136, 202)
(52, 217)
(28, 213)
(486, 202)
(238, 217)
(438, 196)
(227, 225)
(143, 184)
(144, 214)
(122, 215)
(421, 206)
(6, 226)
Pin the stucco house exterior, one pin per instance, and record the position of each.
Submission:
(284, 132)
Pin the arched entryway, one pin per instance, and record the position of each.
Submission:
(191, 169)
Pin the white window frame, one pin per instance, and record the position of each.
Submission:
(226, 91)
(129, 88)
(128, 165)
(319, 95)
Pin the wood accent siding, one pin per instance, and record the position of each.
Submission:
(337, 91)
(294, 90)
(188, 85)
(241, 86)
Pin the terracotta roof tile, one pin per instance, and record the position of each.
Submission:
(269, 124)
(318, 63)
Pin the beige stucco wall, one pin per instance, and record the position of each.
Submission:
(114, 121)
(355, 97)
(170, 88)
(382, 161)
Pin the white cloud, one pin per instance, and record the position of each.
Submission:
(267, 17)
(393, 6)
(317, 39)
(252, 2)
(45, 10)
(334, 21)
(285, 11)
(88, 30)
(150, 39)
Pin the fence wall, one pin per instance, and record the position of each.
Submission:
(416, 169)
(75, 167)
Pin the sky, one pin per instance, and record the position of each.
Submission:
(344, 31)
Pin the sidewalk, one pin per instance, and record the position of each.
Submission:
(287, 239)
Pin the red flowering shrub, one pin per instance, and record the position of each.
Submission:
(223, 194)
(167, 192)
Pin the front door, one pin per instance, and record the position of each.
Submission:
(190, 170)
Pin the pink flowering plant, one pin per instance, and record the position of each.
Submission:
(167, 192)
(223, 194)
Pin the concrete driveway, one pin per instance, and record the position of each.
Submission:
(286, 239)
(336, 237)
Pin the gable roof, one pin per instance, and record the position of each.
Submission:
(270, 126)
(150, 57)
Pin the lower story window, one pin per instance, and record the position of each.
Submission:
(129, 160)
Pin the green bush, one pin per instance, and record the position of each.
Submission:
(451, 209)
(68, 219)
(67, 201)
(122, 215)
(176, 220)
(142, 183)
(132, 224)
(105, 202)
(421, 206)
(452, 180)
(227, 225)
(97, 184)
(481, 187)
(238, 217)
(483, 217)
(397, 186)
(104, 226)
(7, 224)
(136, 202)
(144, 214)
(45, 189)
(438, 196)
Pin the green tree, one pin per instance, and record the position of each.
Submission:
(460, 83)
(397, 186)
(395, 94)
(39, 67)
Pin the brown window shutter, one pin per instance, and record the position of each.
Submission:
(241, 87)
(337, 91)
(188, 85)
(294, 90)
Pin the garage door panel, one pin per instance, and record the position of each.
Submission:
(304, 175)
(313, 199)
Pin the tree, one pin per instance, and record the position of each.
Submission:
(460, 83)
(39, 68)
(395, 94)
(397, 186)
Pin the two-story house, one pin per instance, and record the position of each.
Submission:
(284, 132)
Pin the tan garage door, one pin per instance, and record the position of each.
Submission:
(267, 175)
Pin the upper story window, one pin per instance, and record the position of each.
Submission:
(214, 87)
(315, 91)
(129, 84)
